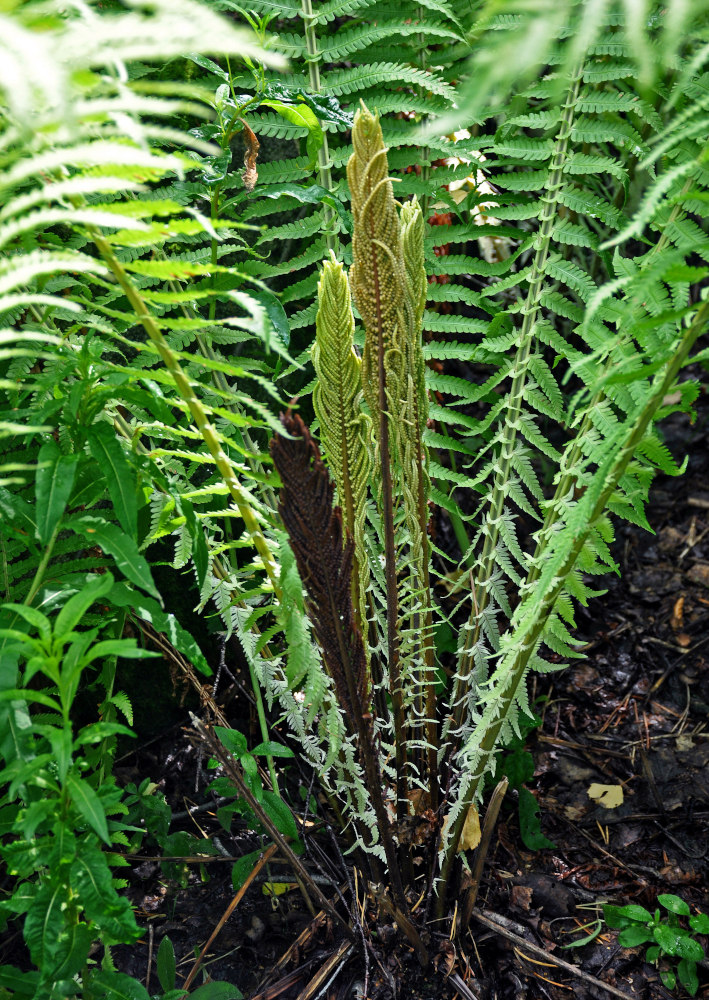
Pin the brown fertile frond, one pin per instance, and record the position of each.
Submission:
(324, 562)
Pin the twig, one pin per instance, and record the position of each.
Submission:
(499, 924)
(235, 775)
(262, 861)
(151, 936)
(462, 987)
(602, 850)
(325, 975)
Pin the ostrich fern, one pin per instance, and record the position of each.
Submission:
(144, 347)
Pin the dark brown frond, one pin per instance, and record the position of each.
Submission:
(324, 561)
(325, 564)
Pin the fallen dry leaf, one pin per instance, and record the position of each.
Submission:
(470, 837)
(608, 796)
(699, 573)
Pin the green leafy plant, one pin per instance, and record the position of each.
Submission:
(669, 940)
(58, 817)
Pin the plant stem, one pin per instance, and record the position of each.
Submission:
(324, 165)
(196, 409)
(534, 628)
(530, 312)
(38, 578)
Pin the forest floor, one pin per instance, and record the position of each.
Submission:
(632, 716)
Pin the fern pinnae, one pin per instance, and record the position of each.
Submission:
(533, 614)
(415, 462)
(509, 444)
(344, 428)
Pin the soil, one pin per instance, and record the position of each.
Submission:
(631, 717)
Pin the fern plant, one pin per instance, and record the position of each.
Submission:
(142, 387)
(619, 346)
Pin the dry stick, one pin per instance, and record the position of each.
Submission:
(262, 861)
(493, 811)
(402, 921)
(296, 947)
(327, 973)
(496, 922)
(234, 774)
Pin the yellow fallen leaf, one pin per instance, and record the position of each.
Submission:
(277, 888)
(470, 837)
(608, 796)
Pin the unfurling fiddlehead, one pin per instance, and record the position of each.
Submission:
(344, 429)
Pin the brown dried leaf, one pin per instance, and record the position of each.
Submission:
(250, 174)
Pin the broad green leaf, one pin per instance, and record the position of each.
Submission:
(243, 868)
(117, 544)
(60, 742)
(630, 912)
(150, 611)
(675, 941)
(126, 648)
(634, 935)
(687, 972)
(674, 904)
(311, 195)
(529, 825)
(232, 739)
(18, 512)
(167, 966)
(77, 605)
(31, 615)
(208, 64)
(272, 750)
(275, 312)
(92, 880)
(45, 925)
(216, 991)
(117, 986)
(89, 805)
(300, 114)
(120, 479)
(326, 108)
(53, 486)
(279, 813)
